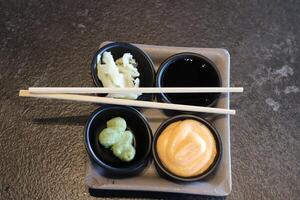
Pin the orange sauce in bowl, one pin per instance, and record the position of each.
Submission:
(186, 148)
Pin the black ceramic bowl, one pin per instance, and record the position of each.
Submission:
(164, 172)
(145, 65)
(188, 70)
(104, 157)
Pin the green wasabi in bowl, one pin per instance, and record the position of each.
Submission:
(120, 140)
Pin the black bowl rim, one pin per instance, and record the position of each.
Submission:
(166, 63)
(173, 176)
(96, 80)
(98, 161)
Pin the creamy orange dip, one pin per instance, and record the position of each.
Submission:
(186, 148)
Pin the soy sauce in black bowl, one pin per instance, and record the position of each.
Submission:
(188, 70)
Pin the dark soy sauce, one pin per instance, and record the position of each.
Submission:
(191, 71)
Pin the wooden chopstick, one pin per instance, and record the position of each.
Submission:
(126, 102)
(86, 90)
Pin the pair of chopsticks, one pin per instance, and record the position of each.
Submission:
(75, 94)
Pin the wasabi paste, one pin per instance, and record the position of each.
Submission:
(120, 140)
(118, 123)
(109, 137)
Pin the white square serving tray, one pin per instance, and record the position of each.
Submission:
(217, 185)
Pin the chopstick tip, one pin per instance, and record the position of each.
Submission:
(23, 93)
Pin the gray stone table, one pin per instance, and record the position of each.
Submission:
(51, 43)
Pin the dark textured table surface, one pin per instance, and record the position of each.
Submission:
(51, 43)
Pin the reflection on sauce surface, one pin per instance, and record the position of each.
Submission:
(186, 148)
